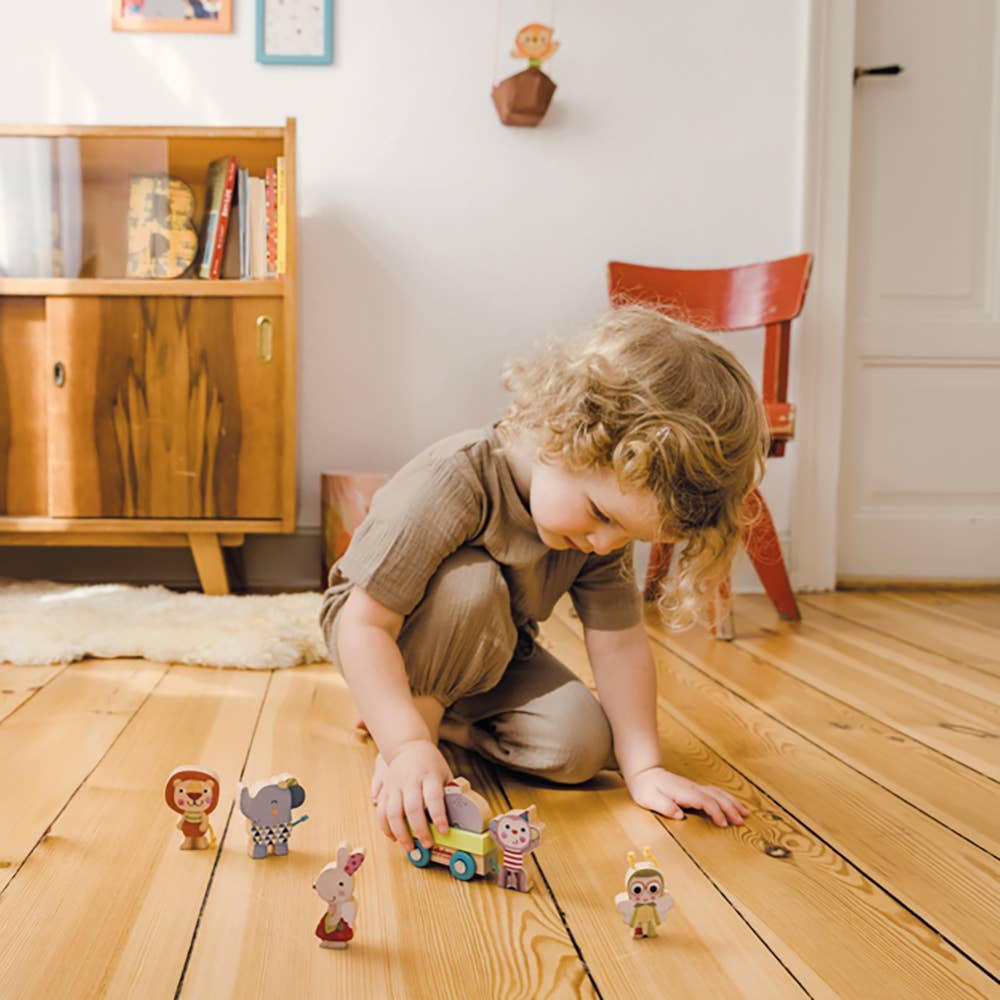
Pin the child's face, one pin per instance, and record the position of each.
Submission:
(588, 510)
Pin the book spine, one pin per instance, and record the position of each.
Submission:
(282, 217)
(242, 200)
(271, 220)
(222, 223)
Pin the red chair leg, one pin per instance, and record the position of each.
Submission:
(761, 541)
(720, 613)
(659, 565)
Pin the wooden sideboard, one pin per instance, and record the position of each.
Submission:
(145, 412)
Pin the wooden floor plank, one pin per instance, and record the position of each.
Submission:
(967, 644)
(18, 684)
(889, 649)
(56, 739)
(954, 723)
(831, 926)
(949, 792)
(977, 608)
(850, 879)
(108, 902)
(419, 933)
(937, 874)
(704, 947)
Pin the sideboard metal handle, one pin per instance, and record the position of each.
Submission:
(59, 374)
(265, 338)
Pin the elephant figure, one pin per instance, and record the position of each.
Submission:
(268, 806)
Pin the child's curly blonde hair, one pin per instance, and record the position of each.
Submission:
(668, 410)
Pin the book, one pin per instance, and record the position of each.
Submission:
(282, 215)
(271, 220)
(258, 240)
(243, 208)
(218, 206)
(232, 266)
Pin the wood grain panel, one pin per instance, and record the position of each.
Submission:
(964, 643)
(51, 744)
(774, 672)
(832, 926)
(264, 419)
(165, 410)
(933, 871)
(23, 388)
(107, 903)
(965, 727)
(970, 607)
(18, 684)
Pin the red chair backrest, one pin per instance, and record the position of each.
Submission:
(730, 298)
(770, 294)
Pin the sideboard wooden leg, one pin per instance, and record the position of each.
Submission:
(207, 551)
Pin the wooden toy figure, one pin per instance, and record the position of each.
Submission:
(534, 42)
(465, 848)
(515, 834)
(523, 99)
(335, 885)
(193, 791)
(268, 806)
(645, 902)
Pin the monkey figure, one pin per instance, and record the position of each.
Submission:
(534, 43)
(515, 834)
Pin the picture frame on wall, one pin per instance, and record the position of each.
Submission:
(205, 16)
(296, 32)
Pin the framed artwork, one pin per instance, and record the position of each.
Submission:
(172, 15)
(295, 31)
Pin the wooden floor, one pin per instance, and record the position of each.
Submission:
(866, 741)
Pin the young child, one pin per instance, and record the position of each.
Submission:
(643, 430)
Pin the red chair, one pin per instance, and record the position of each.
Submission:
(769, 295)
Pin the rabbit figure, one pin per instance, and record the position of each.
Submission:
(335, 885)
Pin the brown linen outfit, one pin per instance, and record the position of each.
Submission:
(450, 545)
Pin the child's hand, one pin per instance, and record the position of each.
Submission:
(411, 786)
(665, 793)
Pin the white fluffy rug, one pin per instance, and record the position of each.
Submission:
(44, 622)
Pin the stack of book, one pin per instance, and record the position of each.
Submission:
(255, 246)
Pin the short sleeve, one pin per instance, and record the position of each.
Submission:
(416, 521)
(605, 594)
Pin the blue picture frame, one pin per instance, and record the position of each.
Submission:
(322, 59)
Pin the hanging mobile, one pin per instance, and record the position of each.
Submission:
(523, 99)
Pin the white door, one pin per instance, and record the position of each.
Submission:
(920, 466)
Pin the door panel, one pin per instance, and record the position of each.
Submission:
(165, 408)
(920, 483)
(23, 389)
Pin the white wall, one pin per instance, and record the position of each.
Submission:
(434, 242)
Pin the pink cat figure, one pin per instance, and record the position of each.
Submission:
(516, 835)
(335, 885)
(645, 902)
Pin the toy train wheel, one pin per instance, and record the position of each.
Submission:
(420, 856)
(462, 866)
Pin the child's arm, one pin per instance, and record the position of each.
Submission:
(416, 771)
(626, 683)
